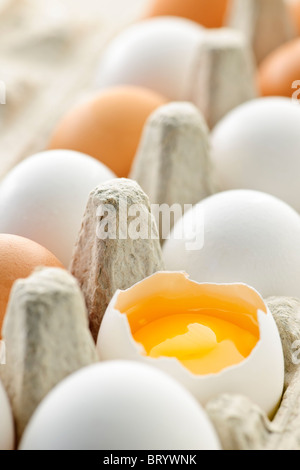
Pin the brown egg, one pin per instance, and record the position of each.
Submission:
(18, 258)
(294, 6)
(279, 70)
(209, 13)
(108, 126)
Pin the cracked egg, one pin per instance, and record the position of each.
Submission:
(213, 338)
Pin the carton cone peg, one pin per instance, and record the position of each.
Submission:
(172, 164)
(118, 245)
(46, 336)
(224, 76)
(266, 24)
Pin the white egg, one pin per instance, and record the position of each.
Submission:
(7, 433)
(257, 146)
(159, 54)
(44, 198)
(119, 406)
(218, 318)
(248, 237)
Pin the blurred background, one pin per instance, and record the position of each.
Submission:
(49, 52)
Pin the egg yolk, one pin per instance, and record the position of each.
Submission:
(203, 344)
(205, 330)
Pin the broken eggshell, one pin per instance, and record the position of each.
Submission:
(259, 376)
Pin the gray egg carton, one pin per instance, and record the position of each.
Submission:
(175, 134)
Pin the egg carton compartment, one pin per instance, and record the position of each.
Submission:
(45, 65)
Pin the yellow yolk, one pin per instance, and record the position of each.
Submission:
(202, 343)
(207, 327)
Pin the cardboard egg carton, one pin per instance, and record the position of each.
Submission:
(51, 305)
(60, 343)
